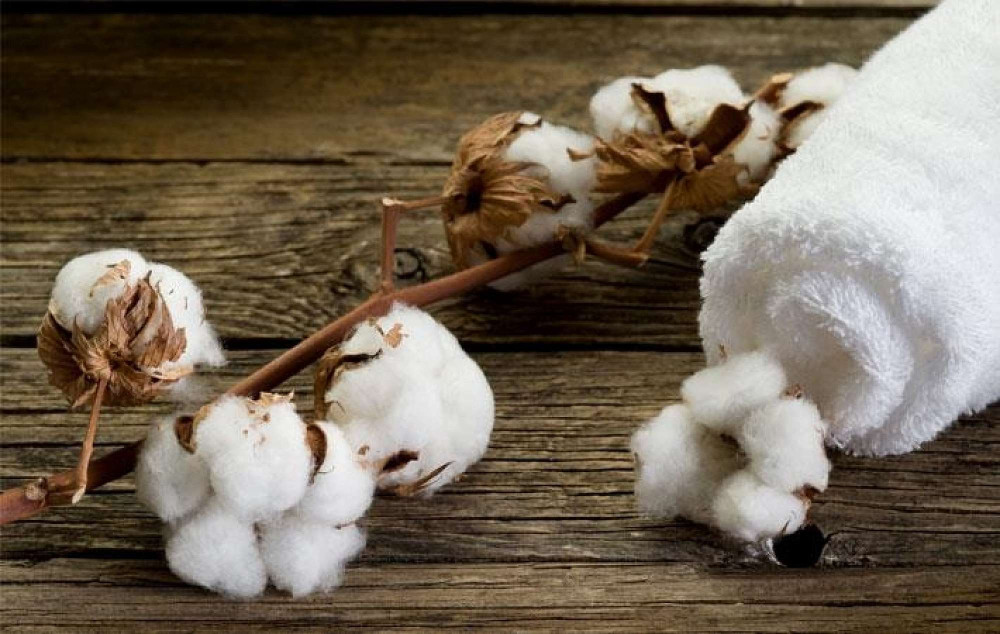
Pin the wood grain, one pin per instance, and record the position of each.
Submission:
(634, 597)
(330, 88)
(556, 484)
(280, 250)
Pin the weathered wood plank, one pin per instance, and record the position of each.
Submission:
(279, 250)
(675, 597)
(254, 87)
(556, 484)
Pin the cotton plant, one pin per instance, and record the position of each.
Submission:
(743, 452)
(250, 493)
(408, 399)
(120, 331)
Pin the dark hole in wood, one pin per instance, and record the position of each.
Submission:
(801, 549)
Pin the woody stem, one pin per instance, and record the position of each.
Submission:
(24, 501)
(645, 243)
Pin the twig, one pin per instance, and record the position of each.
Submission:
(391, 210)
(87, 449)
(24, 501)
(645, 243)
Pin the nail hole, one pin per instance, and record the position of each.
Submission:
(801, 549)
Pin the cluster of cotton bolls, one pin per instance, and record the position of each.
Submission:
(86, 284)
(401, 385)
(691, 96)
(744, 452)
(250, 492)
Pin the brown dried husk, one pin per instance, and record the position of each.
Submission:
(487, 196)
(136, 338)
(696, 173)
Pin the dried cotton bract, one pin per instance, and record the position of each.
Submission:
(408, 399)
(250, 492)
(512, 185)
(115, 317)
(743, 453)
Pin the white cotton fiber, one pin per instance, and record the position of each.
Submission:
(758, 148)
(722, 396)
(216, 549)
(78, 298)
(183, 301)
(692, 94)
(614, 111)
(343, 486)
(304, 557)
(257, 455)
(823, 85)
(784, 444)
(170, 481)
(431, 399)
(546, 146)
(679, 465)
(749, 510)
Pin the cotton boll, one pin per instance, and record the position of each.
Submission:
(692, 94)
(86, 283)
(614, 111)
(680, 465)
(723, 395)
(303, 557)
(749, 510)
(758, 148)
(467, 401)
(419, 393)
(217, 550)
(822, 84)
(784, 443)
(342, 488)
(256, 451)
(183, 300)
(169, 480)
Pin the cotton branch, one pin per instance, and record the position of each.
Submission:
(28, 500)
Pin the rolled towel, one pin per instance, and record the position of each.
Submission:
(869, 266)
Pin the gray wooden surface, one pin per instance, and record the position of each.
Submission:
(249, 151)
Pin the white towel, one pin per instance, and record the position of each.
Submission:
(869, 266)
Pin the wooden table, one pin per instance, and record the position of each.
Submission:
(249, 150)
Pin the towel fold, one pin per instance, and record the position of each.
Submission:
(869, 266)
